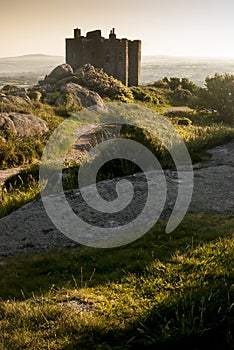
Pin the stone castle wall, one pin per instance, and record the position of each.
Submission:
(120, 58)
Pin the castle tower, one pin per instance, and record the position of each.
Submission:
(120, 58)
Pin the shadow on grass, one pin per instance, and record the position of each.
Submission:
(88, 267)
(183, 324)
(160, 292)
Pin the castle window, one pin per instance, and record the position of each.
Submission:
(121, 57)
(108, 57)
(93, 55)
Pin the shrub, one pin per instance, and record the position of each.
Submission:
(141, 95)
(17, 151)
(160, 84)
(219, 95)
(181, 94)
(174, 83)
(35, 95)
(10, 89)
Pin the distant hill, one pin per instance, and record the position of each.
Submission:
(28, 69)
(36, 64)
(194, 68)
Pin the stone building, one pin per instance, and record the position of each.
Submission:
(120, 58)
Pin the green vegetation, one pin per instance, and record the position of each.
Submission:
(16, 150)
(97, 80)
(176, 83)
(19, 190)
(200, 128)
(219, 94)
(179, 90)
(140, 94)
(22, 188)
(165, 291)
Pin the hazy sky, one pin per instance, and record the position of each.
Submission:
(166, 27)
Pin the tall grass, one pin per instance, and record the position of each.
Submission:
(19, 189)
(22, 188)
(163, 291)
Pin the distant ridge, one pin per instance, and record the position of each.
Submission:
(31, 56)
(38, 55)
(41, 55)
(33, 67)
(36, 65)
(197, 58)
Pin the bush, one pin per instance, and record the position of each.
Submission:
(219, 95)
(10, 89)
(181, 94)
(160, 84)
(174, 83)
(17, 151)
(35, 95)
(141, 95)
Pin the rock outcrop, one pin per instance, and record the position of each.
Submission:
(94, 79)
(14, 95)
(63, 87)
(80, 95)
(97, 80)
(70, 95)
(22, 124)
(60, 72)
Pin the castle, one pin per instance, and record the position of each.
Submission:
(120, 58)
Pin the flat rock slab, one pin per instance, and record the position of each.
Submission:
(29, 230)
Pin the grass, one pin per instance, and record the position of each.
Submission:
(23, 188)
(206, 131)
(16, 199)
(17, 150)
(199, 139)
(162, 291)
(19, 190)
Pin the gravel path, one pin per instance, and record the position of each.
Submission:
(30, 230)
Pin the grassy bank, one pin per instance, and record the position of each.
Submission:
(199, 136)
(163, 291)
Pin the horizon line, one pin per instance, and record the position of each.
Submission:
(144, 55)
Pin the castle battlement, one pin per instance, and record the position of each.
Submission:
(120, 58)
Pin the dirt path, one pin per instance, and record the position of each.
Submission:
(88, 137)
(29, 230)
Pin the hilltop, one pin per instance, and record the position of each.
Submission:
(26, 69)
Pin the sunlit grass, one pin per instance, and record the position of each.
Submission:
(16, 199)
(163, 290)
(198, 140)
